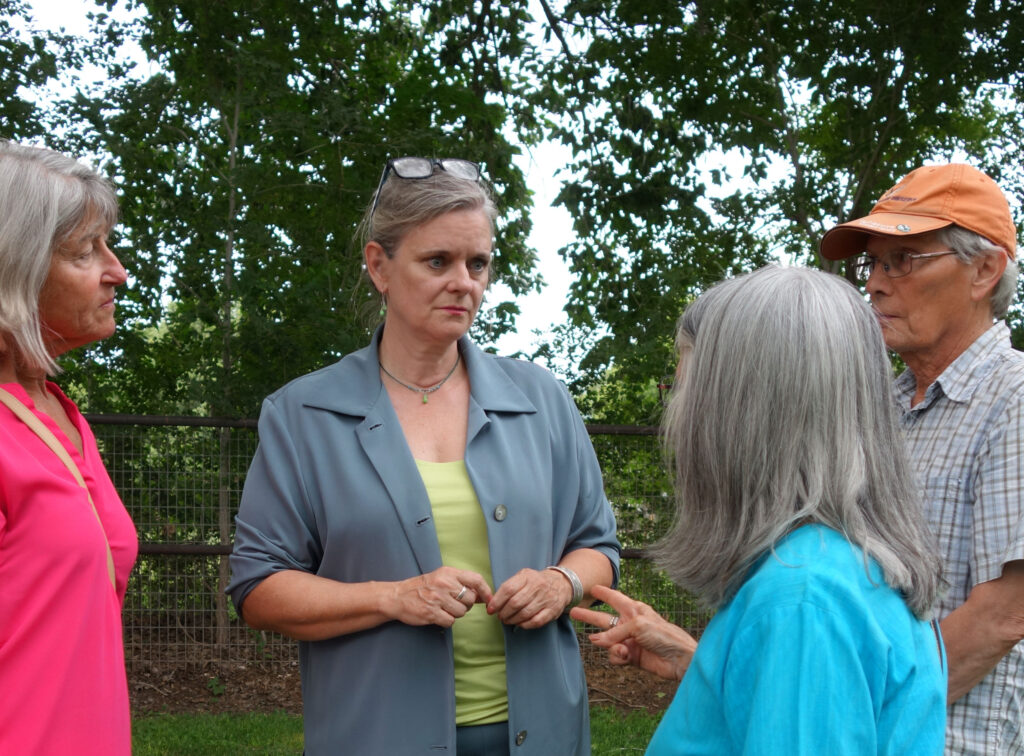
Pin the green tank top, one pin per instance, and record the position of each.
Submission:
(481, 693)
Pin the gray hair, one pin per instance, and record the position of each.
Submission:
(790, 421)
(44, 197)
(969, 246)
(404, 204)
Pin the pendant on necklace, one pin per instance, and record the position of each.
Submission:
(424, 392)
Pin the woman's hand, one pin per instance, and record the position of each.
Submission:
(437, 598)
(640, 637)
(531, 598)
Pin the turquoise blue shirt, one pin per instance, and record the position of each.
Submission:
(811, 656)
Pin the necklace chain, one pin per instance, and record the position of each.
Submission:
(417, 389)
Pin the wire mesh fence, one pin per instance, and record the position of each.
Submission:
(181, 480)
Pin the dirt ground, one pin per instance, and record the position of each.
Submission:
(217, 687)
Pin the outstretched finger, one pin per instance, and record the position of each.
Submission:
(613, 634)
(617, 600)
(602, 620)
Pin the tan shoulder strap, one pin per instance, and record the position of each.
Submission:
(35, 424)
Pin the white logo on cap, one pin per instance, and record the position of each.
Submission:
(903, 227)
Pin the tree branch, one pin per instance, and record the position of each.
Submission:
(553, 23)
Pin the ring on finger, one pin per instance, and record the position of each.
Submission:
(460, 594)
(613, 622)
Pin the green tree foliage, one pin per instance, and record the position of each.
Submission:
(707, 138)
(26, 64)
(245, 140)
(713, 137)
(245, 155)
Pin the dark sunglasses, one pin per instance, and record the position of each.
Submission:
(421, 168)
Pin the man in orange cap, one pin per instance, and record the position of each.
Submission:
(937, 255)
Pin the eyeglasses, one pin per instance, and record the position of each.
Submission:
(897, 265)
(421, 168)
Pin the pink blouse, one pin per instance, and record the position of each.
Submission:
(62, 677)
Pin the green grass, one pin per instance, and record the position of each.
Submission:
(276, 734)
(612, 733)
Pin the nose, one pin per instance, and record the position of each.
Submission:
(460, 279)
(113, 271)
(877, 280)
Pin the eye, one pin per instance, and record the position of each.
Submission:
(435, 262)
(479, 265)
(83, 252)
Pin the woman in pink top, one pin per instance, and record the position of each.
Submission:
(65, 550)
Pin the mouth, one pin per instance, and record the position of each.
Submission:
(110, 304)
(884, 320)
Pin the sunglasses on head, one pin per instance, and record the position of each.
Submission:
(421, 168)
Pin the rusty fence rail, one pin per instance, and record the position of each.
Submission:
(181, 479)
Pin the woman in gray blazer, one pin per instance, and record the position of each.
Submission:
(420, 515)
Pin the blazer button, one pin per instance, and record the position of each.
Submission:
(500, 512)
(520, 737)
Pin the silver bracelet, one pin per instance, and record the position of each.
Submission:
(574, 580)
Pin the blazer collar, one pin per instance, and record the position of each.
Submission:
(352, 386)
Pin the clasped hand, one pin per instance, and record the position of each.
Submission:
(528, 599)
(531, 598)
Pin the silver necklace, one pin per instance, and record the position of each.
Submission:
(429, 389)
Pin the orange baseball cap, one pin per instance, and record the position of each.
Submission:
(927, 199)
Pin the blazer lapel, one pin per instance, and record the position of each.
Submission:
(352, 387)
(381, 438)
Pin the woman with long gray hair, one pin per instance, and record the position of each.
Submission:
(798, 521)
(421, 514)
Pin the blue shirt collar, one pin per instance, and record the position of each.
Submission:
(352, 386)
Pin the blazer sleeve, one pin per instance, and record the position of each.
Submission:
(593, 522)
(275, 529)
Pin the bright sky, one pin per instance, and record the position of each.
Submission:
(552, 229)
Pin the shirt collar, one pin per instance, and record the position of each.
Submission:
(352, 386)
(962, 377)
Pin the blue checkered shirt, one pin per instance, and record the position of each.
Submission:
(966, 443)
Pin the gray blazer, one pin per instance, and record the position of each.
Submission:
(333, 490)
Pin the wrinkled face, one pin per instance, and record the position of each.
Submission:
(435, 280)
(924, 314)
(76, 304)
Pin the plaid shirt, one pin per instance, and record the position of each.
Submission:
(966, 444)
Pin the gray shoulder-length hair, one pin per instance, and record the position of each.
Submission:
(404, 204)
(44, 197)
(782, 416)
